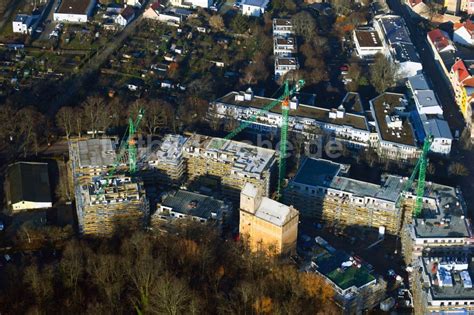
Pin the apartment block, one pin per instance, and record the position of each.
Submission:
(284, 46)
(228, 165)
(442, 223)
(346, 123)
(368, 43)
(282, 27)
(266, 224)
(323, 190)
(396, 135)
(164, 163)
(442, 284)
(105, 203)
(356, 287)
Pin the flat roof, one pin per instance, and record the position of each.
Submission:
(169, 150)
(275, 212)
(74, 6)
(330, 265)
(426, 98)
(285, 41)
(286, 61)
(438, 128)
(454, 265)
(303, 110)
(324, 173)
(368, 38)
(446, 205)
(418, 82)
(319, 172)
(28, 181)
(352, 103)
(256, 3)
(282, 22)
(193, 204)
(385, 106)
(95, 152)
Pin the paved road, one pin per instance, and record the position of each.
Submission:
(430, 67)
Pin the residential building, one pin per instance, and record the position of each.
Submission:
(283, 65)
(282, 27)
(165, 163)
(356, 288)
(182, 204)
(367, 42)
(464, 33)
(417, 83)
(418, 8)
(462, 81)
(323, 190)
(226, 165)
(27, 187)
(443, 282)
(111, 204)
(394, 128)
(157, 12)
(74, 11)
(126, 16)
(284, 46)
(266, 224)
(135, 3)
(24, 24)
(453, 6)
(104, 203)
(191, 3)
(393, 30)
(442, 223)
(438, 128)
(442, 48)
(348, 126)
(254, 7)
(427, 103)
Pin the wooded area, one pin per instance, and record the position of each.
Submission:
(191, 272)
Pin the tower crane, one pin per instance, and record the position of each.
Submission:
(284, 100)
(420, 170)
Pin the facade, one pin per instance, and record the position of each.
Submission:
(283, 65)
(156, 12)
(322, 190)
(438, 128)
(74, 11)
(348, 126)
(182, 204)
(266, 224)
(191, 3)
(368, 43)
(443, 283)
(164, 164)
(356, 288)
(395, 131)
(254, 7)
(228, 165)
(24, 23)
(442, 47)
(392, 29)
(284, 46)
(442, 224)
(135, 3)
(462, 81)
(464, 33)
(126, 16)
(418, 8)
(27, 187)
(282, 27)
(104, 203)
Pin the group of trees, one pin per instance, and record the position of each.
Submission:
(195, 272)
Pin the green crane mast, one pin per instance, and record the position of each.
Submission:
(284, 100)
(420, 170)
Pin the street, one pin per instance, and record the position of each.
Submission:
(430, 67)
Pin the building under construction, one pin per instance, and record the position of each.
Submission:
(104, 203)
(323, 190)
(228, 165)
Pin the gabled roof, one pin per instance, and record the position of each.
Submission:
(128, 12)
(461, 69)
(439, 39)
(468, 25)
(28, 181)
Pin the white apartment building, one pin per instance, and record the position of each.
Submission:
(191, 3)
(74, 11)
(283, 65)
(368, 42)
(254, 7)
(282, 27)
(284, 46)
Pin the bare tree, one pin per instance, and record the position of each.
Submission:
(65, 120)
(383, 73)
(216, 22)
(458, 169)
(97, 114)
(31, 127)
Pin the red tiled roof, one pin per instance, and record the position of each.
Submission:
(461, 69)
(156, 5)
(415, 2)
(128, 12)
(468, 25)
(439, 39)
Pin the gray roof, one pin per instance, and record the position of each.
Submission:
(317, 172)
(426, 98)
(256, 3)
(96, 152)
(193, 204)
(28, 181)
(418, 82)
(437, 127)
